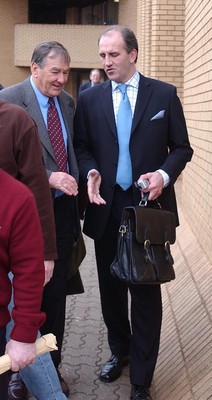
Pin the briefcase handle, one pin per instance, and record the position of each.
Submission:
(144, 201)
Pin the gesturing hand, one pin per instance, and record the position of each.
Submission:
(94, 182)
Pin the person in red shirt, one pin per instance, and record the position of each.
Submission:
(22, 252)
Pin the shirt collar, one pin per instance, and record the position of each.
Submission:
(134, 82)
(42, 99)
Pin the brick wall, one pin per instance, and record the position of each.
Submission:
(128, 13)
(197, 187)
(161, 38)
(175, 46)
(144, 36)
(80, 40)
(12, 12)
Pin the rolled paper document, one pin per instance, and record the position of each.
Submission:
(43, 345)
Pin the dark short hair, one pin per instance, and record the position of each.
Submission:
(43, 49)
(127, 34)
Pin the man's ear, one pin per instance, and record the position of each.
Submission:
(34, 69)
(133, 56)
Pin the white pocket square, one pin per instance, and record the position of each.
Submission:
(159, 115)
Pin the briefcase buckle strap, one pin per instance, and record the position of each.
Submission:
(122, 230)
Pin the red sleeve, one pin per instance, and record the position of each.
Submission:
(26, 257)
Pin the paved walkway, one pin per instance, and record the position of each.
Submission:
(184, 368)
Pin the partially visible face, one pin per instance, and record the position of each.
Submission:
(117, 63)
(51, 79)
(95, 77)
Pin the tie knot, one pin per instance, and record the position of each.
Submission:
(123, 88)
(51, 101)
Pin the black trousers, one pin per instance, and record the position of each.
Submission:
(3, 377)
(54, 296)
(140, 338)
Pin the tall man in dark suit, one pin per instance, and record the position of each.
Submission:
(158, 150)
(50, 66)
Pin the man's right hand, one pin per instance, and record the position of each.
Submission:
(64, 182)
(20, 354)
(94, 182)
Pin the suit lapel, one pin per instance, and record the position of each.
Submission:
(144, 94)
(143, 97)
(106, 102)
(32, 107)
(66, 113)
(67, 110)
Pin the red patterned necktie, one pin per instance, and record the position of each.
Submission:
(56, 136)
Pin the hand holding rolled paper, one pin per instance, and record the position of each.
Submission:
(43, 345)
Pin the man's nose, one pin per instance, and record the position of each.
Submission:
(108, 60)
(62, 78)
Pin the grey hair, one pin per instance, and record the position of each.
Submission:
(43, 49)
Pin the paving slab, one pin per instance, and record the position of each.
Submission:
(184, 367)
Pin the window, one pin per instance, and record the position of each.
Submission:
(93, 12)
(46, 12)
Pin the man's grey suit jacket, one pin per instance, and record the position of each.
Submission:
(23, 95)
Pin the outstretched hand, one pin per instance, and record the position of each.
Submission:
(94, 182)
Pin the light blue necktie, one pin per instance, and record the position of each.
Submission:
(124, 124)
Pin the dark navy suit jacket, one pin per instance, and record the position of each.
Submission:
(159, 139)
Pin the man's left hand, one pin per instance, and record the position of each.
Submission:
(155, 187)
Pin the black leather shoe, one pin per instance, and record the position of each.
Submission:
(113, 368)
(16, 387)
(63, 384)
(140, 393)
